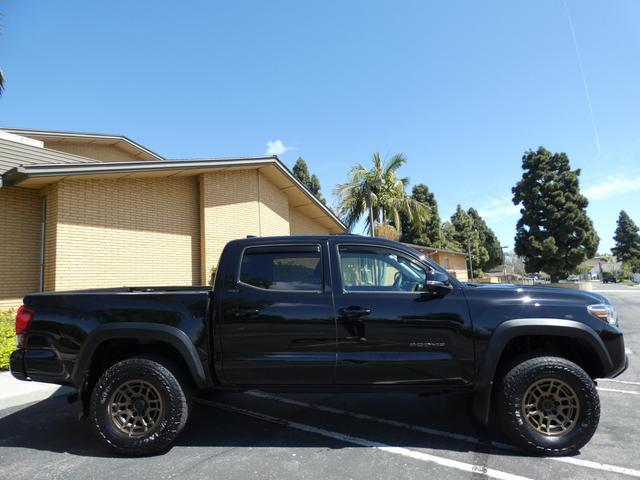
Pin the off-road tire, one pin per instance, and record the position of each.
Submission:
(513, 387)
(169, 382)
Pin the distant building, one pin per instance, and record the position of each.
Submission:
(452, 260)
(602, 264)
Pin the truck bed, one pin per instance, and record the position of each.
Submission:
(63, 322)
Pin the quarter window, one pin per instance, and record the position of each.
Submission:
(282, 268)
(367, 269)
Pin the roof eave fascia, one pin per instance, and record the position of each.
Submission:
(100, 136)
(105, 168)
(282, 167)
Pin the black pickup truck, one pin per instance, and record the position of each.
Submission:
(325, 313)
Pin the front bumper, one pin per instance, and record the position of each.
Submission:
(613, 339)
(621, 370)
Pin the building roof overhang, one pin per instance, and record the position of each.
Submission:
(36, 176)
(120, 141)
(433, 250)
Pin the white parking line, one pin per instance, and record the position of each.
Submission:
(405, 452)
(626, 382)
(618, 290)
(630, 392)
(454, 436)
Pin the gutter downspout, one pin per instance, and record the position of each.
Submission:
(43, 219)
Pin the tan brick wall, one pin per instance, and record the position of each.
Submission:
(274, 208)
(102, 153)
(51, 230)
(127, 232)
(229, 203)
(236, 204)
(300, 224)
(153, 231)
(19, 244)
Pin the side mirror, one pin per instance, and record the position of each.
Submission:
(437, 283)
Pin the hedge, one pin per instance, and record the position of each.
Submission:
(7, 337)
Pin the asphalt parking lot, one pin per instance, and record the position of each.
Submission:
(257, 435)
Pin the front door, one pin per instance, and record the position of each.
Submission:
(390, 331)
(277, 323)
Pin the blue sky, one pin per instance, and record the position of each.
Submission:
(462, 88)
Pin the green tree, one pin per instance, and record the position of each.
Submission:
(428, 232)
(489, 240)
(582, 269)
(387, 192)
(448, 232)
(627, 239)
(311, 181)
(467, 237)
(631, 266)
(554, 233)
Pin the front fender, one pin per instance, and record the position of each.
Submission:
(511, 329)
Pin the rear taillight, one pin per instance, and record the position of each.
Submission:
(23, 319)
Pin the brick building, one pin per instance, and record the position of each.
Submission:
(82, 210)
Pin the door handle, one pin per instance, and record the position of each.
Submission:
(354, 311)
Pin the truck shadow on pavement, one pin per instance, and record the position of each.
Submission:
(52, 425)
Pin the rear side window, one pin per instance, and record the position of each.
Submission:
(282, 267)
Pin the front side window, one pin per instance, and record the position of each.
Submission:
(367, 269)
(282, 268)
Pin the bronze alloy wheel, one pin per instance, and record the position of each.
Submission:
(136, 408)
(551, 407)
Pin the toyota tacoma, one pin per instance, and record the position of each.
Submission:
(325, 313)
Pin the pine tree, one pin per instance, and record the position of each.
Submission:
(554, 234)
(627, 239)
(495, 255)
(427, 232)
(312, 182)
(467, 237)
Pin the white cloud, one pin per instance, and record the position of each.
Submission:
(277, 147)
(498, 209)
(612, 185)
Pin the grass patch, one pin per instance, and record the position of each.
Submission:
(7, 337)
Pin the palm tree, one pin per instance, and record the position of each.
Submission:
(386, 192)
(1, 82)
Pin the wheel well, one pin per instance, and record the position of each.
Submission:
(113, 351)
(566, 347)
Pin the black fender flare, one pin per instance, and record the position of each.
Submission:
(138, 330)
(511, 329)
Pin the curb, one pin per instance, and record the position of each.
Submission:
(14, 392)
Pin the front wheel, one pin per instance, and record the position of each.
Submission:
(139, 406)
(548, 405)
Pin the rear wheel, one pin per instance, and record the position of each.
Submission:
(548, 405)
(139, 406)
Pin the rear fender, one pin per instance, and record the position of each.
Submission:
(148, 331)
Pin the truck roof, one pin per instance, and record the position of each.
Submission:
(320, 238)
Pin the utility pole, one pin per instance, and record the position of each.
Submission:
(470, 261)
(504, 265)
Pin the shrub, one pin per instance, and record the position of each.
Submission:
(7, 337)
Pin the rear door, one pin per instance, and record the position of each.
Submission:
(390, 331)
(277, 323)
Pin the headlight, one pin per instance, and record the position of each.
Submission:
(604, 312)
